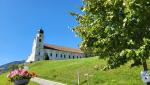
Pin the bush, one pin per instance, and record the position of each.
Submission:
(12, 67)
(46, 57)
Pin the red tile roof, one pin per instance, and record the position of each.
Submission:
(62, 48)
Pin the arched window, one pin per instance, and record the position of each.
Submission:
(61, 55)
(51, 54)
(39, 40)
(56, 55)
(64, 56)
(69, 56)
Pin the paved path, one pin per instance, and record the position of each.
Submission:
(45, 82)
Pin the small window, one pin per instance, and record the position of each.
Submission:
(40, 35)
(77, 56)
(39, 53)
(51, 54)
(39, 40)
(69, 56)
(73, 57)
(61, 55)
(64, 56)
(56, 55)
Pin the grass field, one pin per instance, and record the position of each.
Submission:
(4, 80)
(66, 71)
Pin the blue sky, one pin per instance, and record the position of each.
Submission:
(20, 19)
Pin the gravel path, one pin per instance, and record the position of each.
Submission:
(45, 82)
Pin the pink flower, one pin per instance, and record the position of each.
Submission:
(20, 73)
(24, 72)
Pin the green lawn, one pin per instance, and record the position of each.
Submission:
(4, 80)
(65, 71)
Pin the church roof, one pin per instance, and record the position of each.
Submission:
(62, 48)
(40, 31)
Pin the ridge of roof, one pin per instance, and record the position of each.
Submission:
(62, 48)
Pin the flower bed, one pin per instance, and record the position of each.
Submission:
(20, 76)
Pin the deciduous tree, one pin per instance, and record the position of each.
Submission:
(117, 30)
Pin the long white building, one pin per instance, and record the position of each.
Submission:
(40, 50)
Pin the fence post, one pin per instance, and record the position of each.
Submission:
(78, 74)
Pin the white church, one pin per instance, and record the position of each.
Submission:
(54, 52)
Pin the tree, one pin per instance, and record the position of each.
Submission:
(12, 67)
(116, 30)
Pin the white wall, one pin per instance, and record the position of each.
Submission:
(65, 55)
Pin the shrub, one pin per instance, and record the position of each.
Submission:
(46, 57)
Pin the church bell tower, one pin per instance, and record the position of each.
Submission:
(37, 48)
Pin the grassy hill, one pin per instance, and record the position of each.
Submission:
(4, 80)
(66, 71)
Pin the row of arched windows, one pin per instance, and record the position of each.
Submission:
(64, 56)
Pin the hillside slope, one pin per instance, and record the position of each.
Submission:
(66, 71)
(5, 66)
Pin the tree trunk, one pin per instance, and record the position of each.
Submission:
(145, 65)
(145, 68)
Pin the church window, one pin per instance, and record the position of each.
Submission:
(56, 55)
(51, 54)
(64, 56)
(61, 55)
(39, 40)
